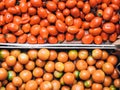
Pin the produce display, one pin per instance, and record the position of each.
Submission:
(56, 21)
(48, 69)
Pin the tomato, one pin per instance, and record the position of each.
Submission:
(89, 16)
(71, 3)
(10, 3)
(85, 25)
(86, 8)
(108, 27)
(42, 12)
(35, 30)
(34, 20)
(17, 20)
(22, 38)
(12, 27)
(61, 38)
(96, 22)
(44, 33)
(81, 65)
(32, 11)
(8, 17)
(51, 18)
(52, 30)
(87, 39)
(113, 37)
(108, 13)
(51, 6)
(2, 38)
(84, 75)
(69, 37)
(98, 40)
(75, 12)
(114, 6)
(19, 32)
(66, 12)
(80, 34)
(11, 38)
(2, 5)
(72, 29)
(99, 12)
(115, 18)
(40, 40)
(44, 23)
(32, 39)
(93, 3)
(2, 21)
(60, 26)
(60, 16)
(36, 3)
(95, 31)
(80, 4)
(3, 74)
(104, 36)
(61, 5)
(77, 22)
(52, 40)
(23, 7)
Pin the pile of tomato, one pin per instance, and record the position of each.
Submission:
(45, 69)
(56, 21)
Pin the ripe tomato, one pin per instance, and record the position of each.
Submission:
(52, 30)
(98, 40)
(80, 34)
(61, 5)
(77, 22)
(95, 31)
(75, 12)
(51, 6)
(61, 38)
(32, 11)
(22, 38)
(108, 27)
(32, 39)
(72, 29)
(2, 21)
(44, 33)
(69, 20)
(11, 38)
(61, 26)
(34, 20)
(108, 13)
(42, 13)
(113, 37)
(86, 8)
(69, 37)
(35, 30)
(10, 3)
(36, 3)
(87, 39)
(52, 40)
(96, 22)
(71, 3)
(2, 38)
(60, 16)
(23, 7)
(89, 16)
(8, 17)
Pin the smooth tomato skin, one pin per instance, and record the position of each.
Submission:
(61, 26)
(86, 8)
(93, 3)
(95, 31)
(8, 17)
(23, 7)
(60, 16)
(108, 13)
(10, 3)
(89, 16)
(42, 12)
(108, 27)
(12, 10)
(87, 39)
(36, 3)
(96, 22)
(12, 27)
(113, 37)
(80, 34)
(72, 29)
(2, 21)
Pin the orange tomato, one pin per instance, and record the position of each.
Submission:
(52, 30)
(108, 13)
(86, 8)
(23, 7)
(108, 27)
(75, 12)
(22, 38)
(80, 34)
(72, 29)
(10, 3)
(36, 3)
(60, 26)
(113, 37)
(96, 22)
(2, 21)
(69, 37)
(61, 38)
(11, 38)
(51, 6)
(61, 5)
(40, 40)
(34, 20)
(44, 33)
(52, 40)
(31, 39)
(89, 16)
(71, 3)
(60, 16)
(34, 30)
(93, 3)
(77, 22)
(87, 39)
(95, 31)
(44, 23)
(32, 11)
(69, 20)
(2, 38)
(98, 40)
(8, 17)
(42, 13)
